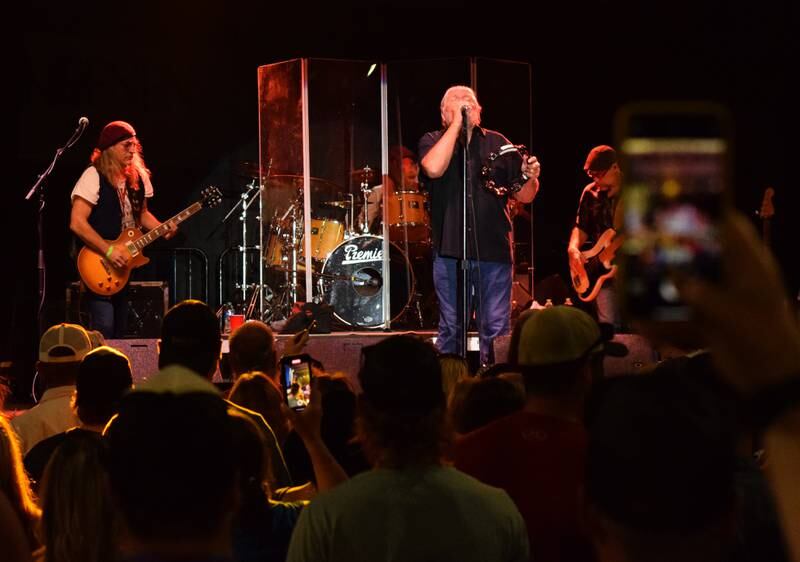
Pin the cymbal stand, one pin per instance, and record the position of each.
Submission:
(251, 193)
(366, 176)
(350, 230)
(296, 239)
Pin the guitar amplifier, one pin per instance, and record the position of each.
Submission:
(147, 303)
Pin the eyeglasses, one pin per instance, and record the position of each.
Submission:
(129, 144)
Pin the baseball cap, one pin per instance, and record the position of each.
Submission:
(561, 334)
(600, 159)
(64, 343)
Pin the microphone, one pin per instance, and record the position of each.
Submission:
(82, 123)
(464, 110)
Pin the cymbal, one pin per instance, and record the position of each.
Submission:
(253, 170)
(340, 204)
(296, 180)
(369, 175)
(365, 169)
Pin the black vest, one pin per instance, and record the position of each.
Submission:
(106, 216)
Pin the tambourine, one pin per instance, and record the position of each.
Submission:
(502, 173)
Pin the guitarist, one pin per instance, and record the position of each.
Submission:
(110, 195)
(597, 212)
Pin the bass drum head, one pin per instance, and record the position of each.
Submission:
(352, 281)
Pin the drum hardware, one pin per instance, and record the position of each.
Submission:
(286, 249)
(251, 194)
(366, 174)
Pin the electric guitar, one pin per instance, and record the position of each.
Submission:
(102, 278)
(598, 267)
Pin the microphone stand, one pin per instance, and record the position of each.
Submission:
(464, 262)
(39, 189)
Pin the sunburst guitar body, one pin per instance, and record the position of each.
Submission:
(104, 279)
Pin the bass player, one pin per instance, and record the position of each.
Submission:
(597, 213)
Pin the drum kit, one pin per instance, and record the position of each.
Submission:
(346, 259)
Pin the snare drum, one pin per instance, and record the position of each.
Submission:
(408, 216)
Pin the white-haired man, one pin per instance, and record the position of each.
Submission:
(488, 228)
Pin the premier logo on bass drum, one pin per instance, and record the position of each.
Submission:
(352, 254)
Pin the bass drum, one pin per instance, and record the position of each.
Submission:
(352, 281)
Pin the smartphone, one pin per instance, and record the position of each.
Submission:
(296, 373)
(675, 165)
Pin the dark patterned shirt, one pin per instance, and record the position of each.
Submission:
(595, 212)
(489, 234)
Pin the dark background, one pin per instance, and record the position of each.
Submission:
(185, 75)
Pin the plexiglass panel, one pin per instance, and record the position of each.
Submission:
(344, 101)
(281, 141)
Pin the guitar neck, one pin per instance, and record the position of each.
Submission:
(159, 231)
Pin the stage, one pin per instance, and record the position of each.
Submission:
(341, 352)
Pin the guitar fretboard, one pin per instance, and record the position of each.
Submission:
(160, 230)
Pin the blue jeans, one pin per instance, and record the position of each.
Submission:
(607, 310)
(108, 315)
(490, 284)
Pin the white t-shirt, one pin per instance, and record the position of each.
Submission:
(434, 513)
(88, 187)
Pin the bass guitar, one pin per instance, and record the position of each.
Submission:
(597, 266)
(102, 278)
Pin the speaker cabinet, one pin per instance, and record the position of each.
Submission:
(147, 303)
(143, 354)
(641, 355)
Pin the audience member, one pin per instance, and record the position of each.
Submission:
(660, 476)
(256, 392)
(61, 349)
(252, 348)
(14, 484)
(537, 454)
(410, 506)
(483, 401)
(172, 471)
(337, 430)
(454, 370)
(190, 346)
(12, 536)
(262, 527)
(757, 530)
(755, 342)
(104, 376)
(78, 518)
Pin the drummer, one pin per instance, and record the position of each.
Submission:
(403, 176)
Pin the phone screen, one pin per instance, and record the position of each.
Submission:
(296, 380)
(674, 178)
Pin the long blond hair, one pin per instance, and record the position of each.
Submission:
(14, 481)
(78, 520)
(113, 168)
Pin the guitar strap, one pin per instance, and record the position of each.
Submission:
(136, 198)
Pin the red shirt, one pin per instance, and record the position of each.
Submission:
(539, 461)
